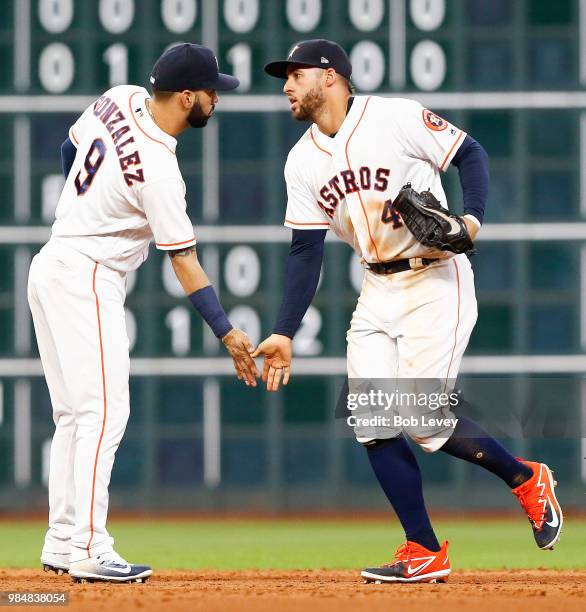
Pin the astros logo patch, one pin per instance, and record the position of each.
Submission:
(434, 122)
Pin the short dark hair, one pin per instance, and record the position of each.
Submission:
(162, 95)
(349, 84)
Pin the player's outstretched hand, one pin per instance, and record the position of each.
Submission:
(241, 349)
(277, 352)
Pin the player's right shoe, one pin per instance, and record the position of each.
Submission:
(108, 567)
(537, 498)
(412, 563)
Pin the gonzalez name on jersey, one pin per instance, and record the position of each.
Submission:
(141, 193)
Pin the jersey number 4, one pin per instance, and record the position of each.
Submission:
(92, 163)
(390, 215)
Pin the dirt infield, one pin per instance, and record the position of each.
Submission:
(341, 591)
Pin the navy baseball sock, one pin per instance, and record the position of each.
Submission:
(473, 443)
(397, 471)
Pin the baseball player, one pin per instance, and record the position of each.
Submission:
(417, 306)
(123, 188)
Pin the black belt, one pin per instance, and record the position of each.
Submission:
(400, 265)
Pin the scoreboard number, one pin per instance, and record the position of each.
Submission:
(240, 58)
(366, 15)
(116, 15)
(368, 65)
(428, 65)
(242, 271)
(56, 15)
(56, 68)
(306, 341)
(178, 321)
(427, 15)
(241, 15)
(116, 56)
(179, 15)
(303, 15)
(247, 319)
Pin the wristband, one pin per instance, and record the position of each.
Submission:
(206, 302)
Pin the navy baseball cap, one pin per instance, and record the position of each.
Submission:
(190, 66)
(316, 53)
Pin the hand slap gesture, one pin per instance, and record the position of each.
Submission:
(240, 349)
(277, 353)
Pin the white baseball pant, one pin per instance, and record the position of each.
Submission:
(78, 313)
(413, 325)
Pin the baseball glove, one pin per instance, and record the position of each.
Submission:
(430, 224)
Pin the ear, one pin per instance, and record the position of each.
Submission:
(331, 77)
(187, 98)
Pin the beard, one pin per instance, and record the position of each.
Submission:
(310, 105)
(197, 118)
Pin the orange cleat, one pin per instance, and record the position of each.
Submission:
(413, 563)
(537, 497)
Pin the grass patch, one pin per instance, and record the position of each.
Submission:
(306, 544)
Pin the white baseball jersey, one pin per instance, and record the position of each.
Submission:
(347, 183)
(124, 187)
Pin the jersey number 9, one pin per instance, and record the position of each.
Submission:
(91, 164)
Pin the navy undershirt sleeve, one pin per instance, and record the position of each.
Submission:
(68, 152)
(472, 163)
(301, 278)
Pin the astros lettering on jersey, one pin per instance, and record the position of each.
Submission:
(347, 183)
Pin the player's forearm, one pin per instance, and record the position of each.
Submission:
(198, 288)
(301, 279)
(188, 270)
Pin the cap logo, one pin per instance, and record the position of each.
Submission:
(217, 64)
(152, 79)
(293, 51)
(325, 60)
